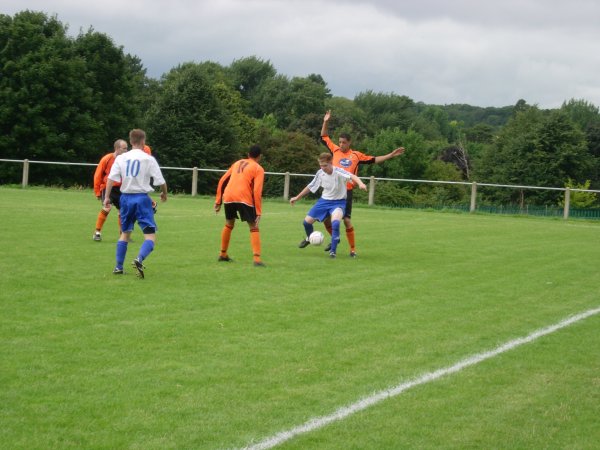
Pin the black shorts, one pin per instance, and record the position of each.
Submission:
(348, 212)
(246, 213)
(115, 196)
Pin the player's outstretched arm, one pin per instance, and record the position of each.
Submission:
(359, 182)
(392, 154)
(299, 196)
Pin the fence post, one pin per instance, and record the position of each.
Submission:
(25, 181)
(567, 203)
(473, 197)
(194, 181)
(286, 186)
(371, 190)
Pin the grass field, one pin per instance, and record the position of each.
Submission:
(207, 355)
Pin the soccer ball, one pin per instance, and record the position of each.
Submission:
(316, 238)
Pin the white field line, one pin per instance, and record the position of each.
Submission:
(342, 413)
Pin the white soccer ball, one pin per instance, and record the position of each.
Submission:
(316, 238)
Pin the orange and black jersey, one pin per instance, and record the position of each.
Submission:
(349, 161)
(242, 183)
(101, 173)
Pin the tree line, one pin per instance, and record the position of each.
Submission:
(68, 98)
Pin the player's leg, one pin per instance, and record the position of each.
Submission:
(230, 216)
(307, 223)
(102, 215)
(255, 243)
(128, 222)
(225, 238)
(122, 244)
(347, 212)
(336, 217)
(115, 200)
(348, 225)
(145, 218)
(327, 224)
(318, 212)
(350, 236)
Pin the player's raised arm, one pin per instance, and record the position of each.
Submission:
(325, 120)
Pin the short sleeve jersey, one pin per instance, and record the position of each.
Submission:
(334, 184)
(349, 160)
(242, 183)
(101, 173)
(134, 170)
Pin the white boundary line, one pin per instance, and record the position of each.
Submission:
(366, 402)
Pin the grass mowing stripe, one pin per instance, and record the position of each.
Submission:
(371, 400)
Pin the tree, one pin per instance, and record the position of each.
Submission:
(63, 99)
(192, 127)
(289, 100)
(410, 165)
(457, 155)
(117, 81)
(441, 194)
(285, 151)
(433, 122)
(536, 149)
(480, 133)
(581, 112)
(346, 117)
(587, 117)
(579, 199)
(46, 103)
(387, 110)
(247, 74)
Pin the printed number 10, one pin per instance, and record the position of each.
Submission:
(133, 168)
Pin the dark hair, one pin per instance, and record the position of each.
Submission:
(254, 151)
(345, 136)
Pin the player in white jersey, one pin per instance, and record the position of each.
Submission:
(133, 170)
(333, 199)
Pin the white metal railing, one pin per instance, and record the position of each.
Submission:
(287, 176)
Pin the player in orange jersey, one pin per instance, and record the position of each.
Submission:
(240, 189)
(100, 175)
(147, 149)
(346, 158)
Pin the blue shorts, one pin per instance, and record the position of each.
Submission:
(137, 208)
(324, 208)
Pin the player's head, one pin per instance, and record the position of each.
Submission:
(344, 141)
(137, 138)
(325, 162)
(120, 146)
(254, 152)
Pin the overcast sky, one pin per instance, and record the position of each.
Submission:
(479, 52)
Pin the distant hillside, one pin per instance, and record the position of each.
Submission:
(472, 115)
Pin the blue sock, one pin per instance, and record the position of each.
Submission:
(145, 249)
(335, 235)
(121, 253)
(308, 227)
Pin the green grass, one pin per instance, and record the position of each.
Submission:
(212, 355)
